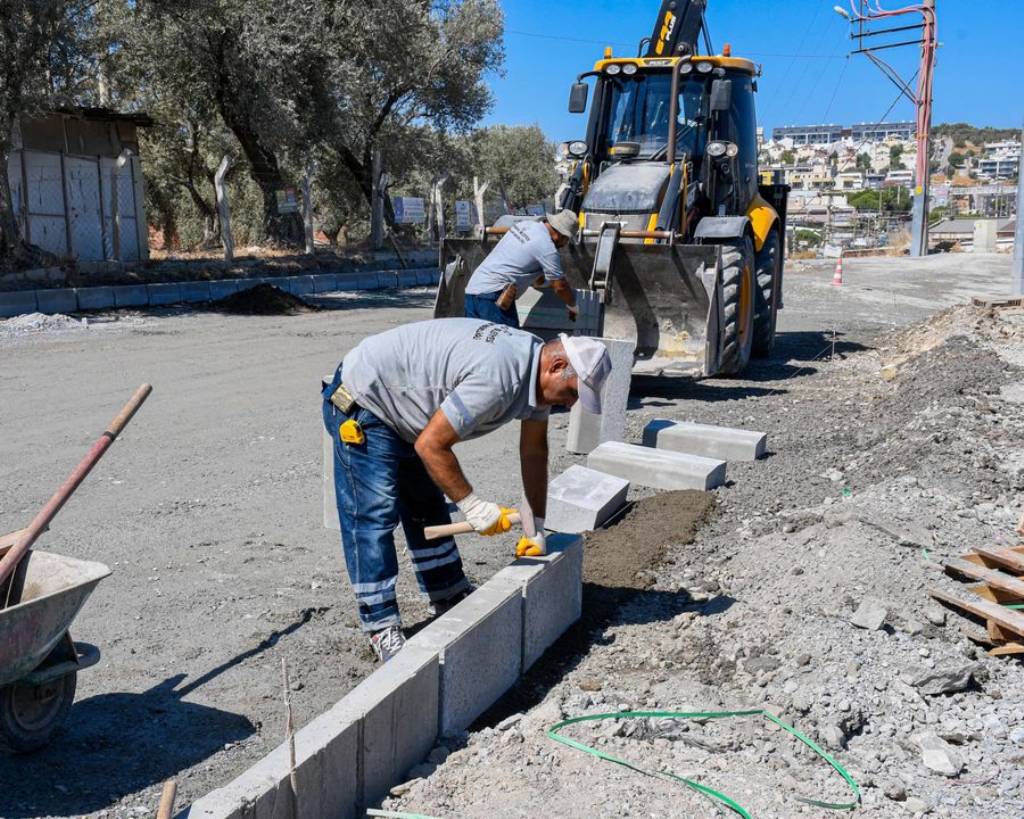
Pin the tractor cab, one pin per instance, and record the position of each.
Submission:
(655, 119)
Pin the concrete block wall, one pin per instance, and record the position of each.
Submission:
(71, 300)
(446, 675)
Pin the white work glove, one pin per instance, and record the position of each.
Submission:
(485, 517)
(533, 546)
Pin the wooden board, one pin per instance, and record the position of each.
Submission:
(999, 616)
(1011, 559)
(1011, 301)
(991, 577)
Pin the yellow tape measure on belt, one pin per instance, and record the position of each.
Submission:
(351, 432)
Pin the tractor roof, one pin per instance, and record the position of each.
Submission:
(667, 62)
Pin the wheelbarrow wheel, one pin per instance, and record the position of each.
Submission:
(30, 714)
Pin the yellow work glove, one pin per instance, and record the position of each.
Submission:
(532, 546)
(486, 518)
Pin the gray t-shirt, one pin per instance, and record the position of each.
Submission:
(481, 375)
(521, 256)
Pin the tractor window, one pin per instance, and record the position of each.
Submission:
(638, 111)
(743, 129)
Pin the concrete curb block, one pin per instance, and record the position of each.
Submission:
(581, 499)
(706, 440)
(64, 300)
(446, 675)
(658, 468)
(17, 302)
(70, 300)
(479, 643)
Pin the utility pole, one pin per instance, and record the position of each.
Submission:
(1018, 238)
(922, 99)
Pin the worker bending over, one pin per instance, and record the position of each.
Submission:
(397, 405)
(527, 254)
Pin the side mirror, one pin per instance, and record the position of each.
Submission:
(721, 95)
(578, 97)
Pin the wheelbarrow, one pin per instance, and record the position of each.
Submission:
(40, 594)
(39, 663)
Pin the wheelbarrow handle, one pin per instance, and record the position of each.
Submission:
(42, 520)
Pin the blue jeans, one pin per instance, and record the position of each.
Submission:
(483, 306)
(378, 484)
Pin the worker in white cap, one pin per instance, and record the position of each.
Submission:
(527, 254)
(397, 405)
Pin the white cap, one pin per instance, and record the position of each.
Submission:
(589, 357)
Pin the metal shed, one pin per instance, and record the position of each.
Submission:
(76, 184)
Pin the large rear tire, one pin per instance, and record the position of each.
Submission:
(766, 295)
(737, 305)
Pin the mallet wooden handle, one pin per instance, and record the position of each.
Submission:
(166, 807)
(461, 528)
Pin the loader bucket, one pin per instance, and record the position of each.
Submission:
(662, 297)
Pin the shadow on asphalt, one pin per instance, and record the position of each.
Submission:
(117, 744)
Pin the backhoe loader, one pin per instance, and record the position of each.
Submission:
(678, 236)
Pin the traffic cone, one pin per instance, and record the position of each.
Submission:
(837, 279)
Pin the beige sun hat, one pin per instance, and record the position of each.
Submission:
(565, 222)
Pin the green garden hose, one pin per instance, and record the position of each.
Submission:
(711, 793)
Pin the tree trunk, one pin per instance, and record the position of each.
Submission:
(279, 228)
(211, 218)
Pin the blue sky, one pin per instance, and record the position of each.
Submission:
(801, 44)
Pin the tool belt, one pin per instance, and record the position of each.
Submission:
(342, 399)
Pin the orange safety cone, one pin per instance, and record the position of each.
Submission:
(837, 279)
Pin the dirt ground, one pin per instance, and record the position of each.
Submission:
(208, 510)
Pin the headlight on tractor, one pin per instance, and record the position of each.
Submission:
(686, 68)
(705, 67)
(577, 149)
(719, 149)
(629, 69)
(612, 69)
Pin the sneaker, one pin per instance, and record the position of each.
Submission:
(387, 642)
(439, 607)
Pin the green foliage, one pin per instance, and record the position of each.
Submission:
(895, 158)
(893, 200)
(517, 160)
(961, 133)
(788, 157)
(809, 237)
(863, 162)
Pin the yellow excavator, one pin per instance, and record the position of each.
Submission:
(679, 237)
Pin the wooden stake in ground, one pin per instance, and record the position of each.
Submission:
(289, 734)
(167, 800)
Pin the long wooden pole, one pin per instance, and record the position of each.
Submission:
(42, 520)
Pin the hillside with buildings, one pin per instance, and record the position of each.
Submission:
(852, 185)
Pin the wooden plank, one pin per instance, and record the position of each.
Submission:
(1008, 558)
(1010, 301)
(1006, 648)
(1004, 617)
(992, 577)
